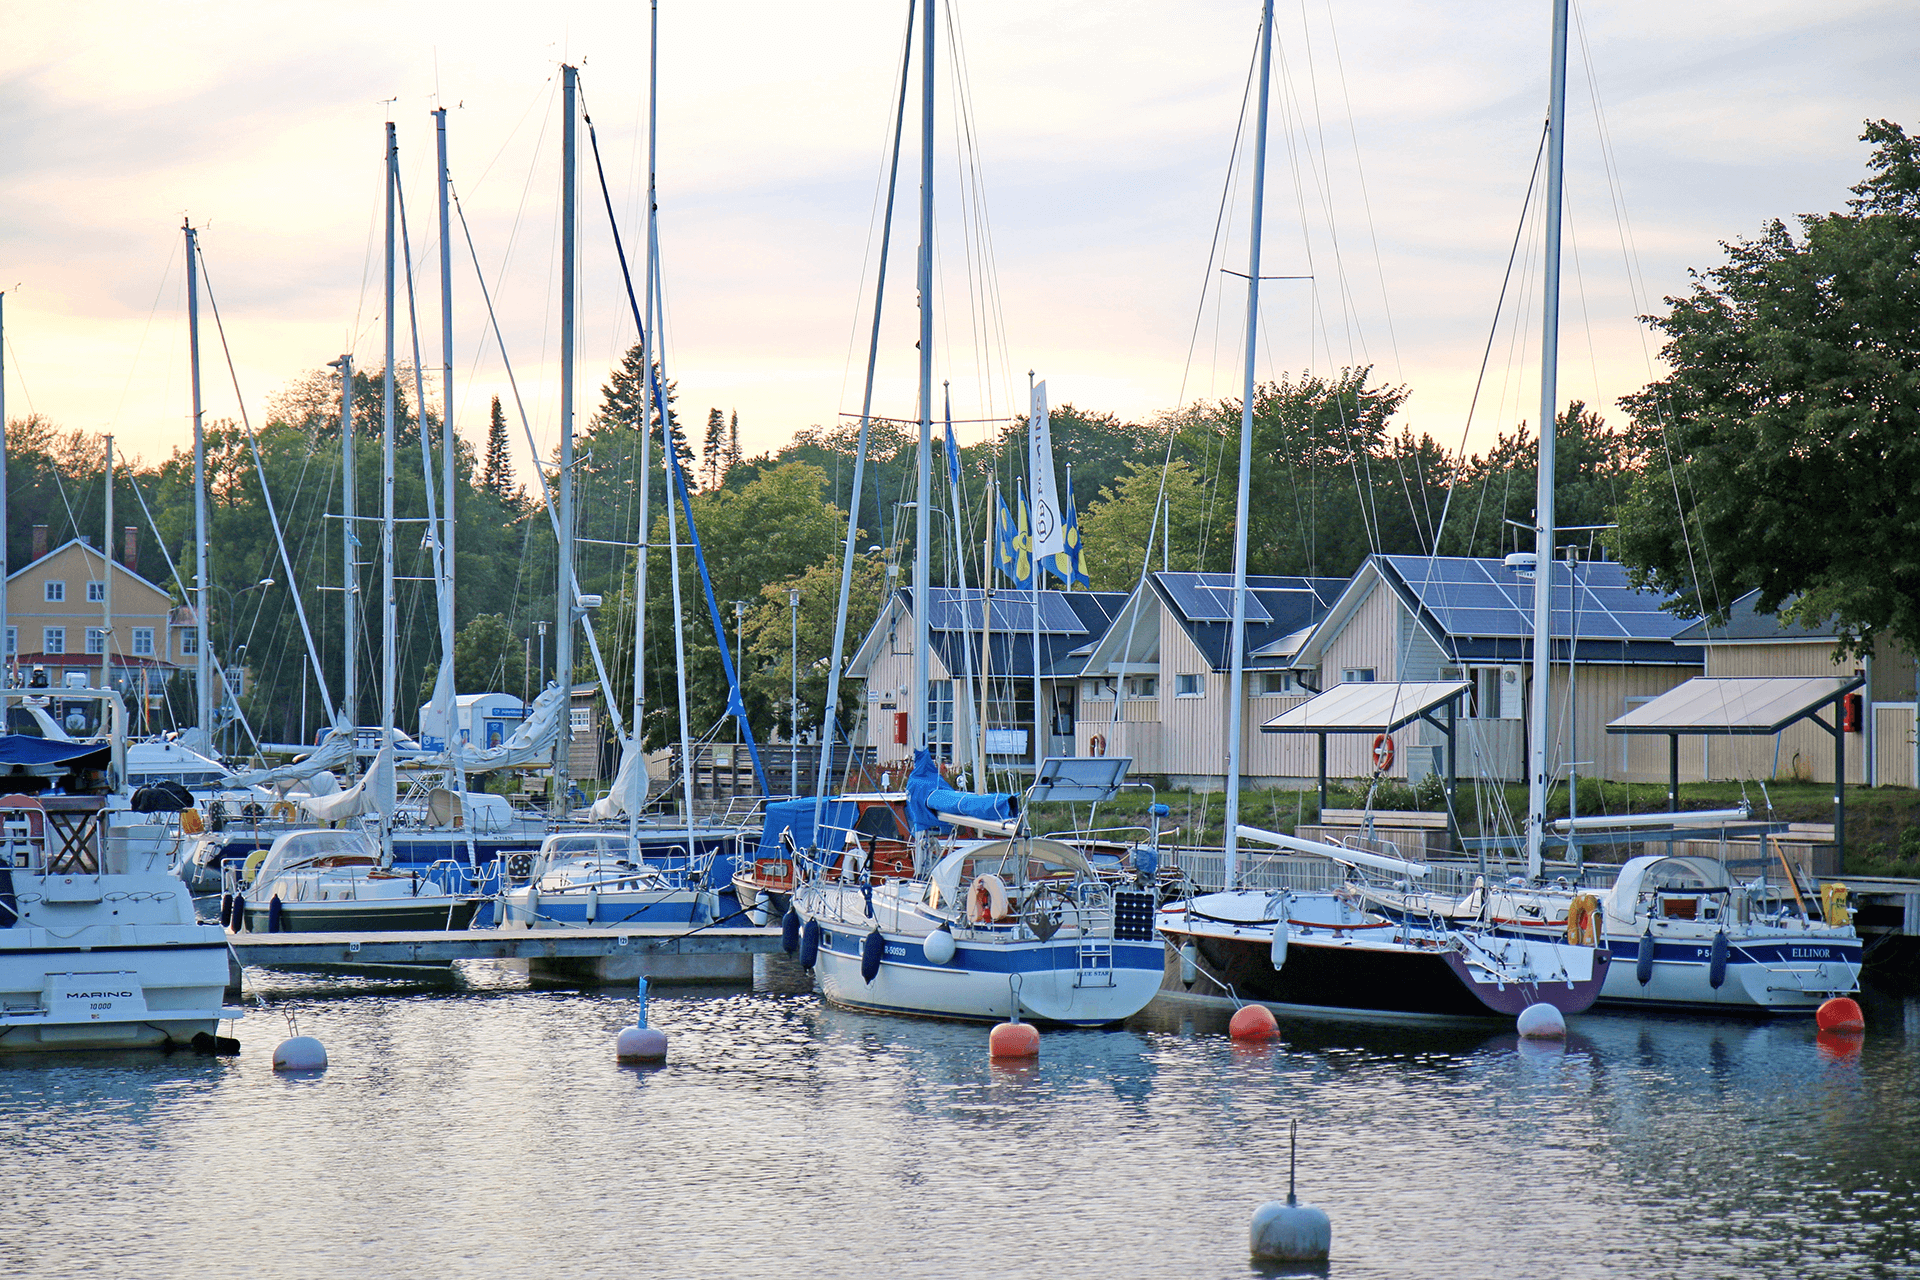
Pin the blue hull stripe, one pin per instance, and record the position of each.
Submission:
(1035, 957)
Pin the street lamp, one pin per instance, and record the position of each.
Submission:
(793, 687)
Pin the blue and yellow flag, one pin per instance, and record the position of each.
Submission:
(1067, 565)
(1013, 544)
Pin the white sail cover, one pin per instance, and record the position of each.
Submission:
(629, 789)
(364, 796)
(335, 750)
(437, 722)
(1049, 526)
(531, 743)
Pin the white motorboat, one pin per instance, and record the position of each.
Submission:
(596, 881)
(322, 881)
(99, 945)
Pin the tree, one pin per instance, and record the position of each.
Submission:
(498, 476)
(1785, 443)
(487, 658)
(733, 441)
(713, 452)
(1117, 525)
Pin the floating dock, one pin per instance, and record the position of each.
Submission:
(664, 954)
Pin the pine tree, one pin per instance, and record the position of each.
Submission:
(497, 476)
(733, 440)
(713, 454)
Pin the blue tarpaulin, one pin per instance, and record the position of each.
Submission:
(965, 804)
(921, 783)
(23, 749)
(796, 816)
(928, 795)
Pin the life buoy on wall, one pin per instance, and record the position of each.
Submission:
(1097, 745)
(1382, 753)
(987, 900)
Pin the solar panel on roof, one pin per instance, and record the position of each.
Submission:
(1012, 611)
(1209, 598)
(1484, 598)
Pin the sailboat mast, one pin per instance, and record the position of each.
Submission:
(349, 549)
(8, 659)
(1236, 670)
(106, 597)
(646, 411)
(1538, 736)
(923, 490)
(202, 619)
(448, 450)
(389, 654)
(565, 605)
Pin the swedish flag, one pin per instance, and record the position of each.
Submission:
(1067, 565)
(1014, 544)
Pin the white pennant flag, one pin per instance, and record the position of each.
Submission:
(1049, 528)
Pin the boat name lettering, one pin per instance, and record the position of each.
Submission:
(1811, 953)
(896, 951)
(99, 995)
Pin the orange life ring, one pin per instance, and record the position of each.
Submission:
(1583, 920)
(987, 900)
(1097, 745)
(1382, 753)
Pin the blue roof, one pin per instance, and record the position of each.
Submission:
(1069, 620)
(1277, 606)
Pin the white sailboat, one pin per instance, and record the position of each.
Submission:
(984, 929)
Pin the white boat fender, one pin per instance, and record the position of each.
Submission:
(1541, 1022)
(1189, 968)
(1290, 1232)
(871, 952)
(299, 1053)
(1643, 967)
(639, 1042)
(790, 931)
(810, 944)
(1717, 964)
(1278, 954)
(940, 946)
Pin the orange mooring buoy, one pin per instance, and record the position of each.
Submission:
(1253, 1022)
(1842, 1014)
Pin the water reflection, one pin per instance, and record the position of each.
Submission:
(786, 1137)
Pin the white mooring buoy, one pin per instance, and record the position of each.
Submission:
(299, 1053)
(1290, 1232)
(640, 1042)
(1541, 1022)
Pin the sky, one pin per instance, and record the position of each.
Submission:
(1086, 215)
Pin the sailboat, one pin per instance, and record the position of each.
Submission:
(1333, 952)
(983, 928)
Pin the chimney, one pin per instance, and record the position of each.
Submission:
(39, 541)
(131, 558)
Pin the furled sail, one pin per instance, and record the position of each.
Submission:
(530, 743)
(334, 751)
(362, 797)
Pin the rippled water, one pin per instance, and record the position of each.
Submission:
(481, 1127)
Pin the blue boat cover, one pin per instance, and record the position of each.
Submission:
(24, 749)
(797, 816)
(928, 795)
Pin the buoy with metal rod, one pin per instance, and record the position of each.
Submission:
(1542, 1022)
(299, 1053)
(1290, 1232)
(1253, 1022)
(1841, 1015)
(640, 1042)
(1014, 1038)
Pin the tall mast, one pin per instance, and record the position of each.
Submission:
(1236, 673)
(106, 607)
(566, 609)
(923, 491)
(646, 411)
(9, 659)
(349, 549)
(389, 657)
(448, 450)
(1537, 731)
(202, 617)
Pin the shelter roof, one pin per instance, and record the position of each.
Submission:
(1735, 705)
(1368, 707)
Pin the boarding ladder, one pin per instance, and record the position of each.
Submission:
(1096, 963)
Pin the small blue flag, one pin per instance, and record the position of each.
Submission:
(1067, 565)
(1013, 544)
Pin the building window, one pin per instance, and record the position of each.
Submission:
(13, 641)
(1189, 686)
(1143, 686)
(53, 640)
(96, 640)
(96, 592)
(56, 591)
(940, 714)
(1357, 675)
(1275, 684)
(1096, 691)
(580, 719)
(143, 641)
(189, 641)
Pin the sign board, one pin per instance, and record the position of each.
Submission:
(95, 997)
(1006, 742)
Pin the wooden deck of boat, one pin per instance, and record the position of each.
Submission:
(432, 947)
